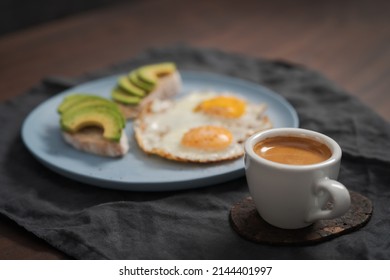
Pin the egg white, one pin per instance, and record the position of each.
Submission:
(160, 128)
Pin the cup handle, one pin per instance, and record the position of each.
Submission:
(327, 189)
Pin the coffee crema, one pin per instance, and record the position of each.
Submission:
(292, 150)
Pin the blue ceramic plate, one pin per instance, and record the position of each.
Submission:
(137, 171)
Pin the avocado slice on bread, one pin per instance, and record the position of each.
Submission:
(93, 124)
(141, 85)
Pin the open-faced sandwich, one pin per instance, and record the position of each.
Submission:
(200, 127)
(144, 84)
(93, 124)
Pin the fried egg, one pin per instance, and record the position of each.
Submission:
(200, 127)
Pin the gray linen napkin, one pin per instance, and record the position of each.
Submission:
(87, 222)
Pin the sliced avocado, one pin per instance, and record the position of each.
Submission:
(151, 73)
(134, 78)
(94, 116)
(122, 97)
(125, 84)
(95, 101)
(71, 100)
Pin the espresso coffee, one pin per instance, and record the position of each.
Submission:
(292, 150)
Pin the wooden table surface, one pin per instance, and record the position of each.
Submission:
(348, 41)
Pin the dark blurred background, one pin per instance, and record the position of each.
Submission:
(20, 14)
(348, 40)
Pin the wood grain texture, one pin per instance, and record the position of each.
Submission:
(347, 41)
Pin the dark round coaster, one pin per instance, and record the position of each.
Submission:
(247, 222)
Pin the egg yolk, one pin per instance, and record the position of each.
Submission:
(208, 138)
(222, 106)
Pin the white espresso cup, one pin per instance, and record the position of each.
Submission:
(290, 195)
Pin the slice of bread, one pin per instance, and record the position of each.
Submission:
(90, 140)
(167, 86)
(93, 124)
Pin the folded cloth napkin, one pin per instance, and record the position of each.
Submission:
(87, 222)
